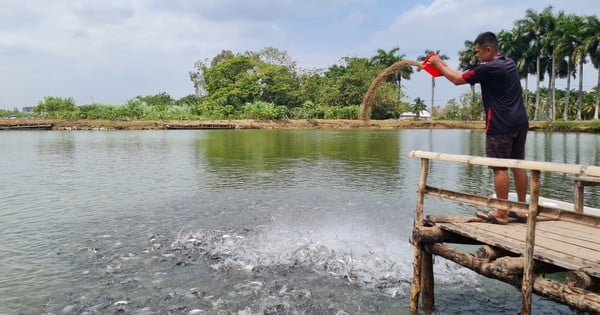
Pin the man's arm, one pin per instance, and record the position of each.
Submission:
(453, 75)
(450, 74)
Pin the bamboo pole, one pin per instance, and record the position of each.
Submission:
(528, 278)
(511, 163)
(418, 222)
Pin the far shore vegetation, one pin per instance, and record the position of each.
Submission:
(267, 85)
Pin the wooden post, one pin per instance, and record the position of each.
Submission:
(578, 196)
(427, 281)
(418, 222)
(528, 277)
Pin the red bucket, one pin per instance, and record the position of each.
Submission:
(435, 72)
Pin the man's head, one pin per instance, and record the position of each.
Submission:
(486, 46)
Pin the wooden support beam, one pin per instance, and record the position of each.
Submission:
(490, 253)
(418, 222)
(580, 279)
(434, 234)
(576, 297)
(427, 281)
(527, 287)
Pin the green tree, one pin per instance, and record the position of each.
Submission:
(385, 59)
(55, 107)
(592, 43)
(532, 29)
(236, 80)
(569, 31)
(467, 61)
(418, 106)
(346, 84)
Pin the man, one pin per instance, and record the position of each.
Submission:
(506, 118)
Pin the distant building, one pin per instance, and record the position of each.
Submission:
(423, 115)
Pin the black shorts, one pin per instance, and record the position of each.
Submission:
(506, 146)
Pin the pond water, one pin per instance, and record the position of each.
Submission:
(241, 221)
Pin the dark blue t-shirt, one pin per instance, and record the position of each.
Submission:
(501, 93)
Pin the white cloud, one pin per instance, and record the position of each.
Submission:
(114, 50)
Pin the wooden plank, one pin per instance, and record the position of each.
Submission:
(510, 163)
(578, 237)
(513, 241)
(572, 230)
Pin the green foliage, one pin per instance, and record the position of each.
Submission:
(342, 112)
(418, 106)
(387, 104)
(264, 111)
(567, 126)
(55, 107)
(266, 84)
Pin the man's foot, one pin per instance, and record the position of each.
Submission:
(493, 216)
(517, 217)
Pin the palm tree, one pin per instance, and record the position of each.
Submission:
(569, 28)
(388, 58)
(592, 42)
(589, 32)
(549, 52)
(421, 58)
(418, 106)
(467, 60)
(532, 29)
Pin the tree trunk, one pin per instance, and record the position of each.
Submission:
(526, 96)
(432, 95)
(536, 115)
(580, 91)
(568, 91)
(552, 99)
(597, 96)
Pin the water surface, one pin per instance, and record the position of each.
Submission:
(240, 221)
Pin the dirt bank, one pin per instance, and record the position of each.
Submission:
(334, 124)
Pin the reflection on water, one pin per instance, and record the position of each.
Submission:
(245, 221)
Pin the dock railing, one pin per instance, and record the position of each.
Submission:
(422, 262)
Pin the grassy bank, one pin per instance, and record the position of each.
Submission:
(328, 124)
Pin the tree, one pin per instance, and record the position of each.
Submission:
(592, 43)
(467, 61)
(55, 107)
(385, 59)
(569, 29)
(418, 106)
(274, 56)
(421, 58)
(346, 84)
(532, 29)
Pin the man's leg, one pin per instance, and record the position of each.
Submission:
(501, 185)
(520, 177)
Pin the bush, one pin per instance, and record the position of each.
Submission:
(342, 112)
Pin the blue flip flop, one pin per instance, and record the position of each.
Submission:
(518, 218)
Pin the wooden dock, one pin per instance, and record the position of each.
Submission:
(25, 126)
(552, 241)
(200, 126)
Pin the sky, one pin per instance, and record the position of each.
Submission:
(110, 51)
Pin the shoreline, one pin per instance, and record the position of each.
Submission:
(293, 124)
